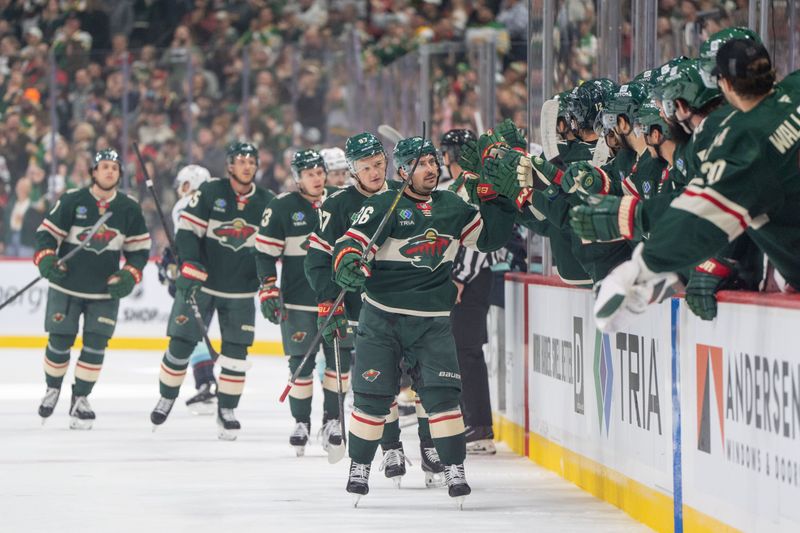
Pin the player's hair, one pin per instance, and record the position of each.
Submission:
(757, 81)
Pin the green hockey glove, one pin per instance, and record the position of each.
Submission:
(704, 282)
(545, 176)
(349, 271)
(502, 175)
(192, 277)
(337, 326)
(122, 282)
(607, 218)
(470, 160)
(269, 297)
(47, 261)
(584, 178)
(491, 145)
(512, 135)
(471, 181)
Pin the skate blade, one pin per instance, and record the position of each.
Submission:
(227, 434)
(155, 427)
(83, 425)
(397, 480)
(44, 420)
(460, 502)
(203, 408)
(434, 480)
(356, 499)
(335, 453)
(299, 451)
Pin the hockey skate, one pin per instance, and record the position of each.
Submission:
(394, 463)
(299, 438)
(358, 481)
(431, 466)
(480, 440)
(80, 413)
(457, 486)
(205, 401)
(228, 425)
(48, 403)
(161, 411)
(332, 443)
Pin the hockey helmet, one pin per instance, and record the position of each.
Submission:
(587, 102)
(109, 154)
(648, 117)
(453, 140)
(360, 146)
(710, 47)
(305, 159)
(244, 149)
(686, 84)
(408, 150)
(334, 158)
(194, 175)
(625, 101)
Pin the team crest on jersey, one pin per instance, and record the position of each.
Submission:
(220, 204)
(181, 319)
(234, 234)
(100, 240)
(425, 208)
(371, 375)
(81, 211)
(58, 317)
(299, 336)
(426, 250)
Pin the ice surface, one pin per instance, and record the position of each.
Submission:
(122, 477)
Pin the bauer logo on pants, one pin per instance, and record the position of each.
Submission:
(371, 375)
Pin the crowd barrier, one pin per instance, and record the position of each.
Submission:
(686, 425)
(141, 324)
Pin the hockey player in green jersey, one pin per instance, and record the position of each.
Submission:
(750, 183)
(407, 301)
(284, 235)
(215, 238)
(92, 283)
(368, 165)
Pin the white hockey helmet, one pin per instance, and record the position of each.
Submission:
(334, 158)
(194, 175)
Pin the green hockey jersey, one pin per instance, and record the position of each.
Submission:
(749, 182)
(284, 234)
(218, 230)
(413, 255)
(124, 234)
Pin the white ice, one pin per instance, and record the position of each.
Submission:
(122, 477)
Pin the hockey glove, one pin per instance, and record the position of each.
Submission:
(270, 297)
(471, 181)
(544, 176)
(168, 271)
(627, 291)
(512, 135)
(350, 272)
(502, 174)
(337, 326)
(584, 178)
(122, 282)
(704, 282)
(47, 261)
(470, 160)
(491, 145)
(192, 277)
(608, 218)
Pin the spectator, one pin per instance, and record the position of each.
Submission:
(24, 216)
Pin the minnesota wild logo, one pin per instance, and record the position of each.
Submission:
(234, 234)
(100, 240)
(426, 250)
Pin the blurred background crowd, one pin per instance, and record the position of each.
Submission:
(184, 78)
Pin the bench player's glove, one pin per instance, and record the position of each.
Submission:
(350, 273)
(47, 261)
(469, 159)
(270, 297)
(122, 282)
(502, 174)
(491, 145)
(512, 135)
(607, 218)
(192, 277)
(584, 178)
(704, 282)
(543, 176)
(337, 326)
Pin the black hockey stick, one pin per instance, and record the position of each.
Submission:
(94, 229)
(174, 249)
(314, 346)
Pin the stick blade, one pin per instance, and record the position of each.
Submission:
(547, 128)
(390, 134)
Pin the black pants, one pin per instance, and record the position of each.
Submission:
(468, 321)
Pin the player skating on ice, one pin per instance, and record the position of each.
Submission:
(91, 283)
(284, 235)
(187, 182)
(407, 302)
(215, 238)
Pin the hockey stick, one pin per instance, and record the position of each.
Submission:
(340, 395)
(86, 240)
(390, 133)
(174, 249)
(313, 347)
(547, 128)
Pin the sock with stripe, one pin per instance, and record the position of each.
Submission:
(302, 392)
(391, 429)
(446, 423)
(423, 427)
(329, 387)
(56, 358)
(173, 366)
(90, 362)
(367, 426)
(233, 363)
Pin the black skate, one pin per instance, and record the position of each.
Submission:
(228, 425)
(299, 438)
(332, 442)
(358, 481)
(205, 401)
(48, 403)
(161, 411)
(457, 486)
(81, 414)
(431, 465)
(480, 440)
(394, 463)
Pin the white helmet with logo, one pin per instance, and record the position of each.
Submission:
(194, 175)
(334, 158)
